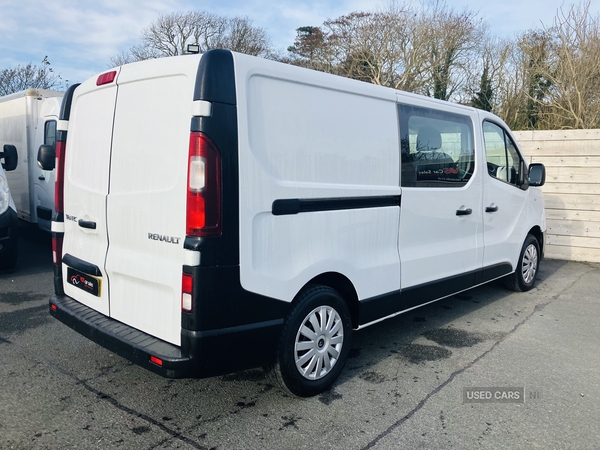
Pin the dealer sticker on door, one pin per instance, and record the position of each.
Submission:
(84, 281)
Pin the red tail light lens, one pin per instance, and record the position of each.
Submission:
(155, 360)
(57, 244)
(204, 187)
(106, 78)
(59, 183)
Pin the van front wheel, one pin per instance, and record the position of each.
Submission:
(525, 274)
(315, 342)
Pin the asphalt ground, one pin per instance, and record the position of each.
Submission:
(406, 384)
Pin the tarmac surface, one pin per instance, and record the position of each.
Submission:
(410, 382)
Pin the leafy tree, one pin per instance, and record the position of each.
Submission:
(483, 98)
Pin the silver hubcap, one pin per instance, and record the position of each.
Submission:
(529, 264)
(319, 342)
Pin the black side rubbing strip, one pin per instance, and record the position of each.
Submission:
(81, 265)
(295, 205)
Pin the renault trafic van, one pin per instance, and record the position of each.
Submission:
(220, 212)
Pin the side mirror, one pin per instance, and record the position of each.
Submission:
(11, 158)
(46, 157)
(537, 174)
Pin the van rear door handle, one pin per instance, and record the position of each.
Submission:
(87, 224)
(491, 208)
(464, 212)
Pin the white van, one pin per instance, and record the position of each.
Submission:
(9, 222)
(222, 212)
(28, 121)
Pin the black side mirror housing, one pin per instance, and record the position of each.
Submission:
(11, 158)
(537, 174)
(46, 157)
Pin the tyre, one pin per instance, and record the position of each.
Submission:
(314, 343)
(526, 272)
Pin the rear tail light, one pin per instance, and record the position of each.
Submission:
(57, 244)
(59, 183)
(203, 216)
(186, 292)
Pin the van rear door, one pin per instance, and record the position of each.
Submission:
(87, 167)
(147, 202)
(125, 194)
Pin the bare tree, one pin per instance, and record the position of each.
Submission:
(423, 47)
(241, 36)
(572, 99)
(491, 75)
(19, 78)
(455, 40)
(170, 34)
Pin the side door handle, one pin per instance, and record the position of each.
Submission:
(491, 208)
(464, 212)
(87, 224)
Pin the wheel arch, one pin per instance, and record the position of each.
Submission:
(539, 235)
(344, 286)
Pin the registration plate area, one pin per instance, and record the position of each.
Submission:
(84, 281)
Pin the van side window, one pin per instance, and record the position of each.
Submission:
(503, 160)
(50, 132)
(437, 147)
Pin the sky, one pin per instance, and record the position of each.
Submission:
(80, 36)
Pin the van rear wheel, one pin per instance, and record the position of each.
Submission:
(526, 272)
(314, 343)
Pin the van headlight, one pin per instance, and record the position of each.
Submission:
(4, 195)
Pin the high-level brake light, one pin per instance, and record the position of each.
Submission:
(106, 78)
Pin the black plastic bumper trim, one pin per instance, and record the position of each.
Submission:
(201, 354)
(121, 339)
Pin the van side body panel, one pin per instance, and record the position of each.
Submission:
(304, 135)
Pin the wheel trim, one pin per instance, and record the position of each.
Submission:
(319, 342)
(529, 264)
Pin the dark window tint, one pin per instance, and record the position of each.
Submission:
(50, 132)
(437, 148)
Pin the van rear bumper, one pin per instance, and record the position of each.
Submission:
(202, 354)
(121, 339)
